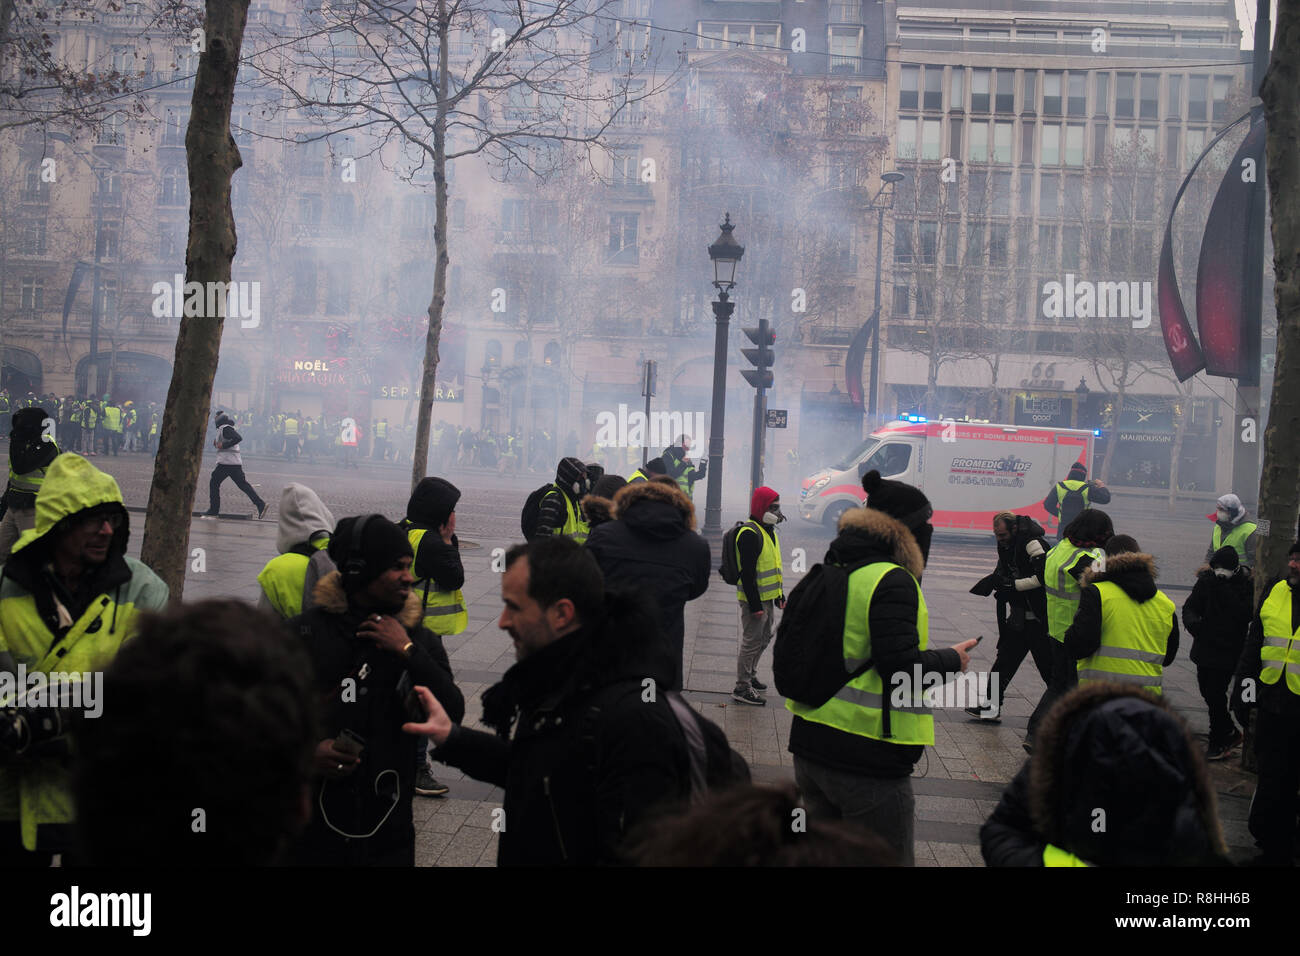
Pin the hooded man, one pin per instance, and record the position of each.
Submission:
(679, 468)
(301, 539)
(1231, 529)
(1073, 495)
(31, 450)
(1118, 748)
(230, 464)
(558, 512)
(598, 507)
(368, 651)
(69, 597)
(853, 755)
(1217, 614)
(758, 591)
(430, 526)
(652, 545)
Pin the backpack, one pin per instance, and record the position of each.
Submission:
(528, 517)
(730, 569)
(1072, 502)
(808, 654)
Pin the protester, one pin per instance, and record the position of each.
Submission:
(759, 590)
(230, 464)
(1217, 614)
(558, 512)
(31, 450)
(598, 507)
(302, 539)
(1231, 529)
(1073, 495)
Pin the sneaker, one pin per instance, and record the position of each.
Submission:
(757, 684)
(747, 695)
(426, 786)
(262, 510)
(1029, 748)
(1221, 751)
(989, 713)
(208, 514)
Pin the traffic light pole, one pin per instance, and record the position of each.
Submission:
(722, 310)
(761, 378)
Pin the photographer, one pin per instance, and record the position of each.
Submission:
(30, 453)
(69, 597)
(368, 649)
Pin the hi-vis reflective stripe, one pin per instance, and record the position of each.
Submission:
(865, 698)
(432, 611)
(769, 573)
(853, 663)
(1276, 641)
(1129, 653)
(1063, 569)
(1141, 680)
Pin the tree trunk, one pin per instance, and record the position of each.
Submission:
(420, 454)
(1279, 487)
(1112, 441)
(212, 158)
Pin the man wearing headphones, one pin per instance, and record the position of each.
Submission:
(368, 650)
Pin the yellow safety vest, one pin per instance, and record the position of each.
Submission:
(1236, 538)
(444, 611)
(1065, 486)
(1134, 640)
(1055, 856)
(1281, 648)
(284, 580)
(112, 418)
(291, 427)
(1062, 589)
(28, 481)
(767, 572)
(858, 707)
(381, 430)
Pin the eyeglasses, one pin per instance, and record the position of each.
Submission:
(93, 522)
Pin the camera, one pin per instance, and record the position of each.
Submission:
(24, 731)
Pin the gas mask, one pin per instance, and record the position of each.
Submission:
(1223, 517)
(773, 515)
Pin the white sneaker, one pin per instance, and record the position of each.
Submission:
(988, 713)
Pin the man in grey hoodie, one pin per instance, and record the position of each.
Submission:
(302, 538)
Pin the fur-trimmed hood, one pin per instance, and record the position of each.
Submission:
(642, 505)
(1122, 750)
(597, 509)
(332, 599)
(864, 531)
(1134, 572)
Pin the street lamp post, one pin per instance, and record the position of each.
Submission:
(725, 253)
(887, 180)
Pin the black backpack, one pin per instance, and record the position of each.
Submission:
(808, 654)
(715, 765)
(1072, 502)
(528, 518)
(730, 569)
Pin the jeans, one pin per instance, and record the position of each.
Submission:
(883, 805)
(1214, 685)
(755, 635)
(1013, 645)
(1065, 677)
(220, 474)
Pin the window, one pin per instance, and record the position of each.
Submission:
(1050, 154)
(32, 241)
(1052, 94)
(304, 285)
(1006, 98)
(903, 253)
(312, 156)
(32, 294)
(1197, 93)
(1049, 195)
(1124, 93)
(1026, 192)
(1071, 245)
(979, 142)
(1030, 102)
(1144, 208)
(1119, 249)
(1101, 102)
(846, 44)
(1195, 145)
(924, 301)
(930, 130)
(845, 109)
(1174, 105)
(1047, 247)
(902, 299)
(909, 87)
(622, 238)
(1072, 196)
(1027, 144)
(929, 236)
(957, 89)
(954, 137)
(625, 166)
(338, 291)
(514, 218)
(1074, 144)
(841, 170)
(108, 299)
(343, 211)
(173, 186)
(1147, 141)
(1097, 202)
(983, 33)
(1001, 203)
(933, 88)
(979, 90)
(978, 188)
(311, 208)
(1002, 142)
(35, 188)
(112, 131)
(1221, 86)
(999, 244)
(951, 242)
(106, 241)
(711, 36)
(1171, 144)
(906, 145)
(1099, 143)
(1025, 231)
(1149, 107)
(1078, 102)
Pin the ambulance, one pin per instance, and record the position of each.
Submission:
(970, 471)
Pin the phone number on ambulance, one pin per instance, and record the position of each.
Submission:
(986, 480)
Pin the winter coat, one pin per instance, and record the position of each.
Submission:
(1135, 574)
(582, 753)
(286, 583)
(870, 535)
(1105, 746)
(374, 712)
(1217, 615)
(597, 511)
(1274, 698)
(652, 546)
(1020, 565)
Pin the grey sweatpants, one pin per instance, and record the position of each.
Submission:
(883, 805)
(755, 635)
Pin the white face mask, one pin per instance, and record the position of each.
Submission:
(771, 517)
(1223, 516)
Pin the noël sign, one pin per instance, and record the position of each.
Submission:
(778, 417)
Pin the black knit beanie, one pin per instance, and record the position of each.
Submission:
(432, 502)
(382, 544)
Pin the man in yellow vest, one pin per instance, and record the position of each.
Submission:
(90, 428)
(759, 590)
(559, 511)
(1082, 543)
(853, 755)
(1074, 495)
(1126, 629)
(69, 597)
(430, 526)
(291, 427)
(112, 427)
(302, 537)
(1232, 530)
(1268, 675)
(31, 449)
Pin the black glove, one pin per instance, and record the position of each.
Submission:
(701, 469)
(780, 603)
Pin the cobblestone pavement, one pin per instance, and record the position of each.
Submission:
(958, 781)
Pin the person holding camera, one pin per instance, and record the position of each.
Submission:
(31, 450)
(69, 597)
(368, 650)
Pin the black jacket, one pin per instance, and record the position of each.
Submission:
(583, 751)
(1018, 577)
(28, 451)
(552, 511)
(1217, 615)
(651, 546)
(1104, 748)
(1136, 576)
(436, 560)
(749, 547)
(1052, 503)
(1274, 698)
(375, 712)
(869, 535)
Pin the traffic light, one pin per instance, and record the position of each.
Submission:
(761, 357)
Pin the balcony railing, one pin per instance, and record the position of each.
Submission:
(846, 11)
